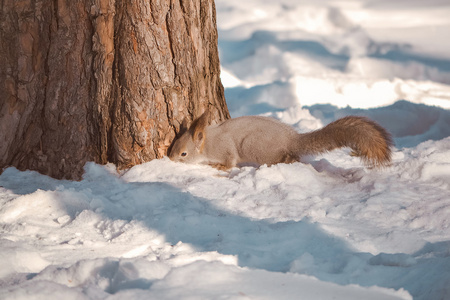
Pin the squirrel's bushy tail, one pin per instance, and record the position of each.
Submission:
(365, 137)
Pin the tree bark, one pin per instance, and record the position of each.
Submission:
(103, 80)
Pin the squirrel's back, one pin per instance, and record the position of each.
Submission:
(252, 140)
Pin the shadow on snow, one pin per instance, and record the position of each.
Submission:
(301, 247)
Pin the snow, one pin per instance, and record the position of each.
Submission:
(327, 228)
(358, 53)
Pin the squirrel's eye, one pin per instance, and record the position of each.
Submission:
(183, 154)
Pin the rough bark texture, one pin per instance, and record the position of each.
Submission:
(102, 80)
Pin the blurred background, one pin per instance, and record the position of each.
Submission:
(335, 58)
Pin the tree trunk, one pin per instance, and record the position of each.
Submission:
(103, 80)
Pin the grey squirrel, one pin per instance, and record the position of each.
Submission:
(263, 140)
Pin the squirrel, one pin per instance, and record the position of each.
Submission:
(263, 140)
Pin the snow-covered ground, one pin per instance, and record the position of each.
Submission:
(325, 229)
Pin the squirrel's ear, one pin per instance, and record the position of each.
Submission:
(198, 128)
(183, 127)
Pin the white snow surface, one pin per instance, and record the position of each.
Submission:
(358, 53)
(327, 228)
